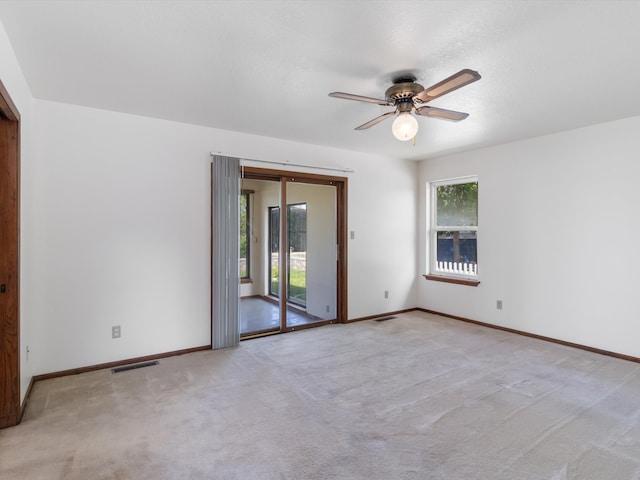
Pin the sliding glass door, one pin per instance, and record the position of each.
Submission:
(289, 263)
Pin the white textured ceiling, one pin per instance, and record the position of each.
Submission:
(266, 67)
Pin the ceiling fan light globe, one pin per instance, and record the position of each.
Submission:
(405, 127)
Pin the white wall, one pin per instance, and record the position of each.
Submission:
(558, 236)
(123, 237)
(383, 217)
(121, 205)
(15, 83)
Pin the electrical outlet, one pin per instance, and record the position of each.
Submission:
(386, 294)
(499, 304)
(328, 309)
(115, 331)
(352, 235)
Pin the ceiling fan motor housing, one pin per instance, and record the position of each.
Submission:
(402, 93)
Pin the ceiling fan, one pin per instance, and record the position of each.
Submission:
(408, 96)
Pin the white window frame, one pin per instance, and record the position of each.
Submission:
(434, 229)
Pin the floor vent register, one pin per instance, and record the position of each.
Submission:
(133, 366)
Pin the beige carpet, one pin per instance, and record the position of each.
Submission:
(415, 397)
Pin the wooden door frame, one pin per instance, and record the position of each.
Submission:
(10, 410)
(341, 184)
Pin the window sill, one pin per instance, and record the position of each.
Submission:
(458, 281)
(246, 280)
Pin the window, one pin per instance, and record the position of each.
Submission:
(245, 236)
(296, 270)
(454, 228)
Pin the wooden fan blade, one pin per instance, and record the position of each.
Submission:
(448, 85)
(376, 120)
(441, 113)
(359, 98)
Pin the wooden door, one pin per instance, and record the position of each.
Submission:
(9, 261)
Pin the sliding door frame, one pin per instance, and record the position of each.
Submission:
(341, 186)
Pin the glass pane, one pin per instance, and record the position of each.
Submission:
(297, 267)
(311, 250)
(457, 205)
(245, 244)
(274, 250)
(457, 252)
(259, 305)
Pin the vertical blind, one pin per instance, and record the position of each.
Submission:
(225, 271)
